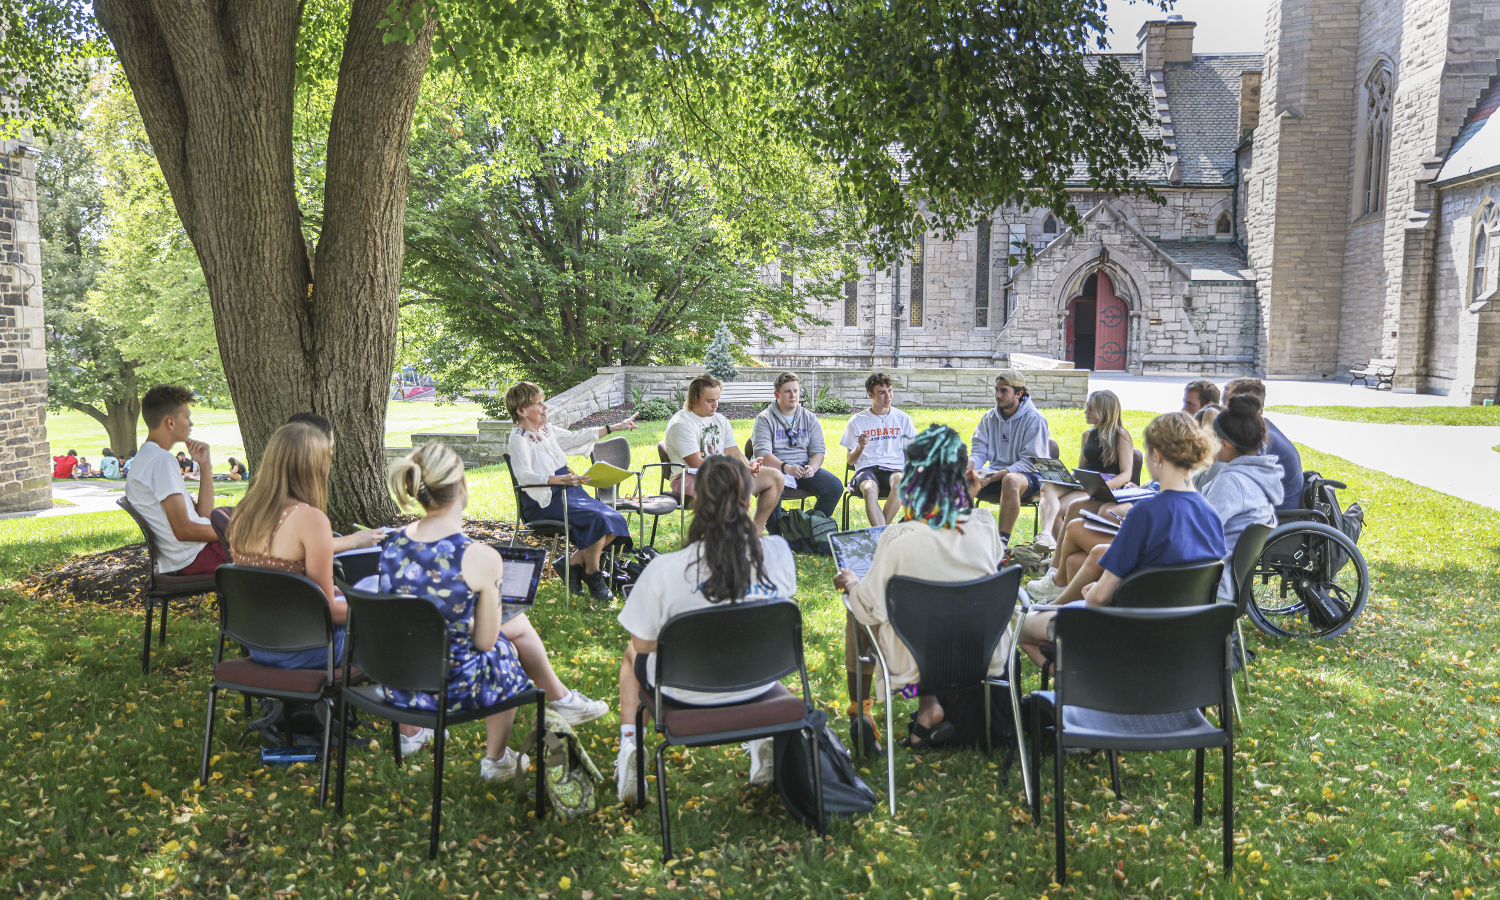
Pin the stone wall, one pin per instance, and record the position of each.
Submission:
(25, 458)
(1464, 360)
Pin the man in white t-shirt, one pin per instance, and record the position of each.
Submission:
(186, 541)
(876, 439)
(699, 430)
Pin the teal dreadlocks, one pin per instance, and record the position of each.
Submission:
(933, 488)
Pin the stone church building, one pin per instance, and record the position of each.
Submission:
(1329, 201)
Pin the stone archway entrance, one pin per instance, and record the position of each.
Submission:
(1097, 326)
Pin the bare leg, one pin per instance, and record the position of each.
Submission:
(1067, 509)
(533, 655)
(630, 689)
(1087, 574)
(497, 733)
(871, 492)
(893, 499)
(1011, 487)
(1046, 512)
(1034, 631)
(767, 490)
(929, 711)
(588, 556)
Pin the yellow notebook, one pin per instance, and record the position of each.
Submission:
(604, 475)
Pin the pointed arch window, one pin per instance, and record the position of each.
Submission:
(1049, 229)
(1486, 221)
(1224, 227)
(917, 247)
(1377, 139)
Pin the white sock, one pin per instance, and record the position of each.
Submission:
(627, 733)
(1051, 572)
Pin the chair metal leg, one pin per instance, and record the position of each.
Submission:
(1036, 760)
(1244, 661)
(817, 779)
(1015, 713)
(338, 791)
(146, 650)
(661, 801)
(640, 756)
(323, 775)
(1229, 805)
(1057, 808)
(541, 752)
(1114, 774)
(989, 743)
(890, 736)
(1198, 786)
(396, 741)
(208, 735)
(162, 641)
(437, 780)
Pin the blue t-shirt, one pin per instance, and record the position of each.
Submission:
(1286, 453)
(1174, 528)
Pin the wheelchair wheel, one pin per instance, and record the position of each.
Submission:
(1310, 582)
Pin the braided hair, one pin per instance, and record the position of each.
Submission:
(933, 488)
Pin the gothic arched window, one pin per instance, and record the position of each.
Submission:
(1485, 222)
(1049, 229)
(1376, 139)
(1224, 227)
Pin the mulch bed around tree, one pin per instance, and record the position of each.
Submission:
(626, 410)
(117, 577)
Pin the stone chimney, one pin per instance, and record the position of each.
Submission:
(1166, 41)
(1249, 100)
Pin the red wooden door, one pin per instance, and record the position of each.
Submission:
(1068, 331)
(1110, 332)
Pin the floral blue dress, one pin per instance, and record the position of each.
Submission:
(433, 570)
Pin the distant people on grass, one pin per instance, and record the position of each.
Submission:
(83, 469)
(539, 453)
(1006, 437)
(238, 471)
(1277, 444)
(186, 541)
(876, 439)
(433, 559)
(1107, 448)
(1176, 527)
(189, 466)
(63, 466)
(699, 431)
(125, 466)
(943, 538)
(787, 437)
(109, 465)
(726, 560)
(1248, 487)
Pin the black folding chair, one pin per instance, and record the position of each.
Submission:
(1247, 551)
(849, 494)
(1137, 679)
(616, 452)
(556, 529)
(952, 630)
(272, 611)
(723, 648)
(161, 588)
(401, 642)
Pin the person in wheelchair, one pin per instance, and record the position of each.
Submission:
(1248, 486)
(1177, 527)
(1277, 444)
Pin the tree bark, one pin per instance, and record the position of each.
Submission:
(215, 85)
(119, 419)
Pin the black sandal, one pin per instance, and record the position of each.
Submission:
(935, 736)
(864, 737)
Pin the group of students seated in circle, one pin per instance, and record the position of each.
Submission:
(939, 532)
(71, 465)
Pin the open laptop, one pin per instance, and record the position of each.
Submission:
(855, 550)
(523, 572)
(1054, 471)
(1098, 488)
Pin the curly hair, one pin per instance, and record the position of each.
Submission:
(1179, 440)
(728, 541)
(933, 488)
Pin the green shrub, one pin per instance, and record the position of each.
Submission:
(834, 405)
(655, 409)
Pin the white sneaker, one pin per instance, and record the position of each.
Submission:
(1045, 539)
(625, 770)
(1044, 590)
(412, 743)
(762, 760)
(577, 709)
(505, 767)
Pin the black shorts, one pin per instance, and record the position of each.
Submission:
(991, 491)
(881, 477)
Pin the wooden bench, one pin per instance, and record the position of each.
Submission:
(1382, 370)
(746, 393)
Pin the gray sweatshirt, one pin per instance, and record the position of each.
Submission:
(1246, 492)
(792, 444)
(1005, 443)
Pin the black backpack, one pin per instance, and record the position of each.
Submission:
(964, 709)
(1329, 607)
(844, 793)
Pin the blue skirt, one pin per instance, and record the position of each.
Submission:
(588, 519)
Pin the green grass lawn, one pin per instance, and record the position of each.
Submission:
(1400, 415)
(1366, 766)
(221, 429)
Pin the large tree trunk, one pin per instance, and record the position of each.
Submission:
(119, 419)
(215, 85)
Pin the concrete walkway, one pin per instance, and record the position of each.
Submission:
(1457, 460)
(86, 497)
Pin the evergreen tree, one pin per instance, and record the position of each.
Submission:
(719, 361)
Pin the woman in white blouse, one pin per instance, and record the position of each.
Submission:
(539, 455)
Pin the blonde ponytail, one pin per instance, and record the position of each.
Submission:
(427, 477)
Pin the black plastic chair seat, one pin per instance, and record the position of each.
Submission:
(371, 699)
(1096, 730)
(181, 585)
(778, 706)
(248, 676)
(547, 527)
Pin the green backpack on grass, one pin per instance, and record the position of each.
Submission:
(569, 776)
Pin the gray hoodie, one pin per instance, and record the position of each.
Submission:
(1005, 443)
(793, 444)
(1246, 492)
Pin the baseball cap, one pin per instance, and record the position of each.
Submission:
(1011, 377)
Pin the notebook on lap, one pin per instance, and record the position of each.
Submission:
(855, 550)
(1054, 471)
(1098, 488)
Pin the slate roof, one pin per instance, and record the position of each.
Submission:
(1210, 260)
(1477, 147)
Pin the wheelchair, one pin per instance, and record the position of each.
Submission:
(1311, 581)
